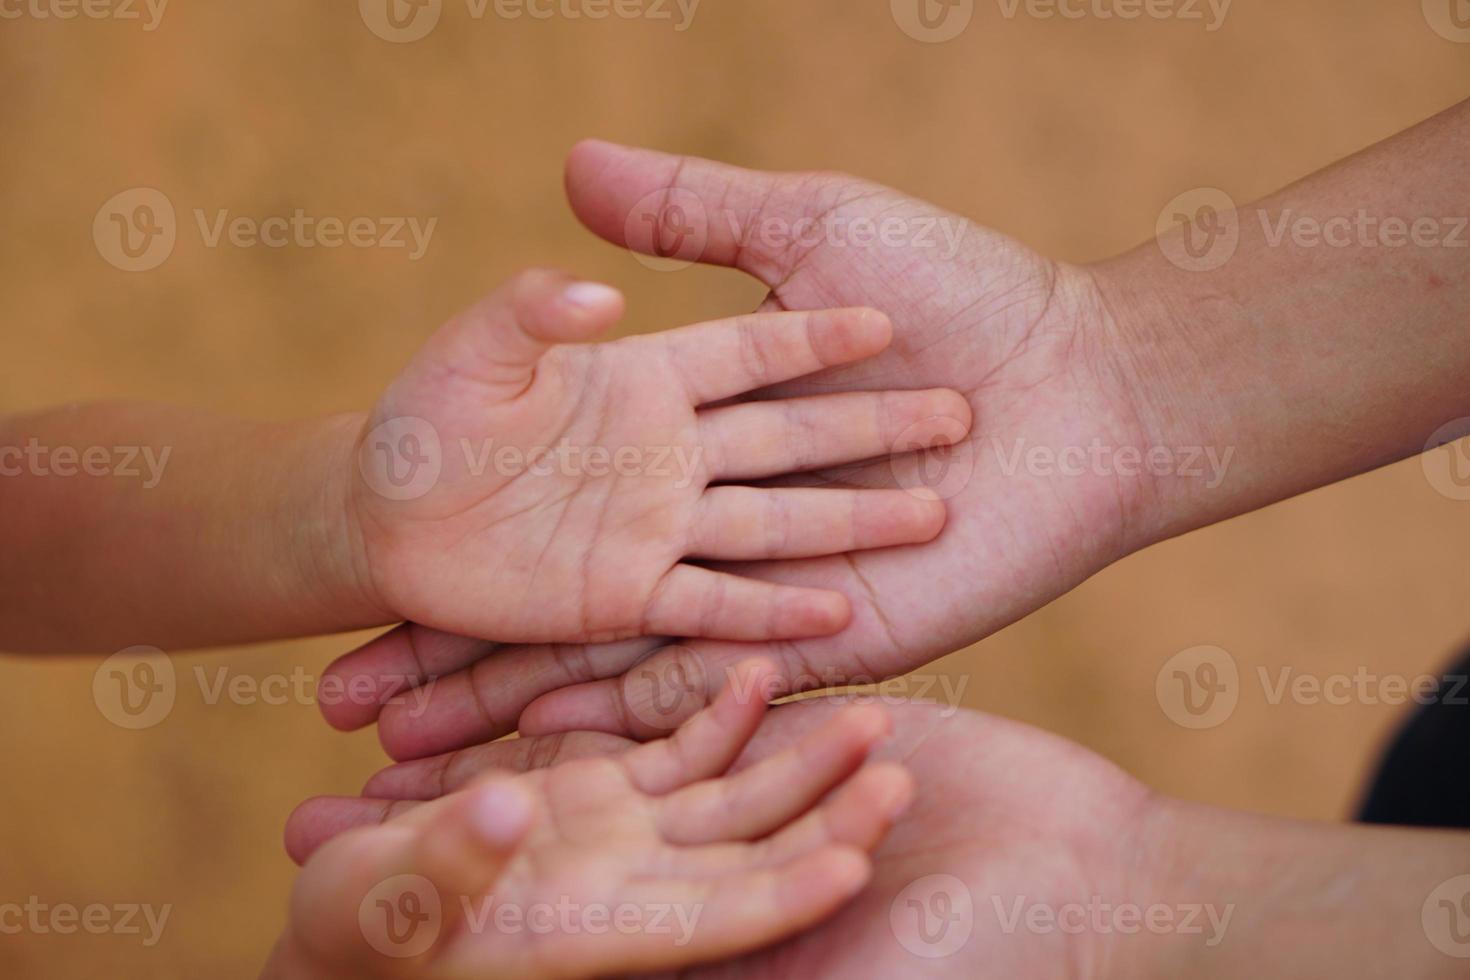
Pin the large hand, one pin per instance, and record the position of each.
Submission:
(1029, 343)
(637, 861)
(1012, 815)
(518, 487)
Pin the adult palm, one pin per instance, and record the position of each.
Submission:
(1027, 340)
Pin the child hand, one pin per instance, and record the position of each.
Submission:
(529, 875)
(462, 524)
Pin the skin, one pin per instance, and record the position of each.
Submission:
(1310, 362)
(1018, 815)
(741, 860)
(584, 550)
(416, 512)
(1305, 363)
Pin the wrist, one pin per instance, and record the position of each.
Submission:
(1292, 898)
(1163, 376)
(328, 532)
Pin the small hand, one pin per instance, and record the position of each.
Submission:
(727, 863)
(1012, 816)
(519, 487)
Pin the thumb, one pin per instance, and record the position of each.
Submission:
(498, 341)
(380, 896)
(464, 847)
(696, 210)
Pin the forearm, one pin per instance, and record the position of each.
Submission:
(1334, 339)
(175, 529)
(1307, 899)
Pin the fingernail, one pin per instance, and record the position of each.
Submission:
(499, 814)
(590, 295)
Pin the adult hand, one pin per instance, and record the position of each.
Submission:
(1026, 340)
(1246, 356)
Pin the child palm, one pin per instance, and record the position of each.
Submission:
(518, 487)
(651, 859)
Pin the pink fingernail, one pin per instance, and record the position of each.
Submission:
(590, 295)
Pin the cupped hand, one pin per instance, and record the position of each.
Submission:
(646, 859)
(1030, 344)
(1004, 818)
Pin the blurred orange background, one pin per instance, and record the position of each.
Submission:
(1070, 135)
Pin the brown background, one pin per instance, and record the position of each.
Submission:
(1068, 135)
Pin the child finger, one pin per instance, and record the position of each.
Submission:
(691, 601)
(705, 745)
(756, 440)
(725, 358)
(749, 524)
(776, 790)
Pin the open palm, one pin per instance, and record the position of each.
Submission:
(516, 486)
(1027, 341)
